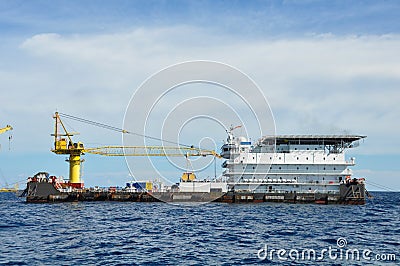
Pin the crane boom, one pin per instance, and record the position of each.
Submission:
(149, 151)
(5, 129)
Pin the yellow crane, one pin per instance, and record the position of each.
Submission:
(5, 129)
(63, 144)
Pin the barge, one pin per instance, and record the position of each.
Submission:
(282, 168)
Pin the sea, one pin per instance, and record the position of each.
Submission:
(129, 233)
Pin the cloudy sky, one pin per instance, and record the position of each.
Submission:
(326, 67)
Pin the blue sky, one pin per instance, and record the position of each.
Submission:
(278, 18)
(325, 67)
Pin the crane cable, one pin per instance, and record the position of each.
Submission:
(97, 124)
(376, 185)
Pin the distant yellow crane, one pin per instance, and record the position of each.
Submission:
(76, 149)
(5, 129)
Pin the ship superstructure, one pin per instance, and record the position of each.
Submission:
(289, 163)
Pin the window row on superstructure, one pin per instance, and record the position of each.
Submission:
(292, 158)
(288, 168)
